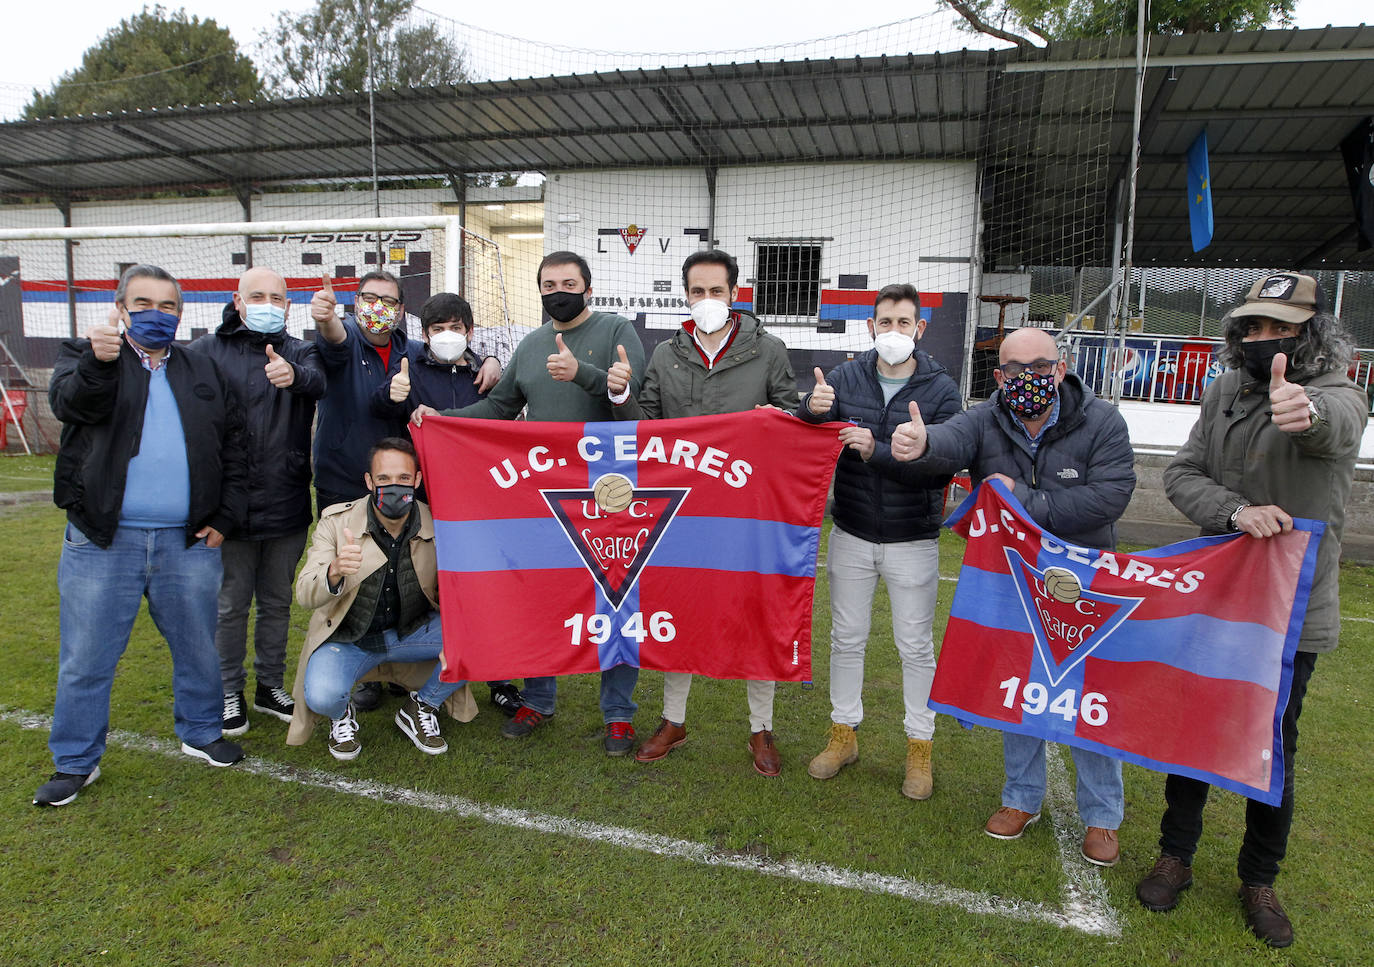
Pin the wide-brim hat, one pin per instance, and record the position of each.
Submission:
(1285, 296)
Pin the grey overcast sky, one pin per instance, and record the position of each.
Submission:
(47, 39)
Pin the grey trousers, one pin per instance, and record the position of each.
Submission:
(265, 569)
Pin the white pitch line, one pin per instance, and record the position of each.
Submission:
(970, 901)
(1085, 892)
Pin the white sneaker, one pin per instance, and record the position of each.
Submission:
(343, 736)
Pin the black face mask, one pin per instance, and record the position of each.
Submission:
(564, 306)
(1259, 355)
(393, 500)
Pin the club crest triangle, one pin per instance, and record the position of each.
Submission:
(615, 544)
(1068, 621)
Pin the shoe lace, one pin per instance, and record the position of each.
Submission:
(1167, 866)
(280, 695)
(233, 706)
(620, 730)
(527, 714)
(429, 719)
(918, 755)
(344, 729)
(1263, 897)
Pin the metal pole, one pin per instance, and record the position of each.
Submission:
(1127, 261)
(1340, 292)
(372, 128)
(65, 206)
(1202, 316)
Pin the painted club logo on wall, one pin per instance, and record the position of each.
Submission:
(1069, 622)
(631, 236)
(615, 527)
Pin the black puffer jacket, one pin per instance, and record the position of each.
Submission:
(101, 406)
(1076, 485)
(276, 422)
(882, 499)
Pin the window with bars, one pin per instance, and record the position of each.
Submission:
(787, 281)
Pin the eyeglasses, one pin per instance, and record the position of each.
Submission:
(368, 298)
(1040, 367)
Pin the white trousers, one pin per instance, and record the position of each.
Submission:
(912, 573)
(676, 685)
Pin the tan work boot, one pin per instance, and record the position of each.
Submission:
(840, 751)
(918, 783)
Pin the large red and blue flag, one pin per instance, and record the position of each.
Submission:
(685, 545)
(1178, 659)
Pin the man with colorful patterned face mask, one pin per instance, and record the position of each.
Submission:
(1067, 457)
(278, 379)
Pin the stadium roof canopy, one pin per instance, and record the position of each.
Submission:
(1275, 105)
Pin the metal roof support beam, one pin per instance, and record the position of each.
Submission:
(190, 157)
(1196, 60)
(64, 205)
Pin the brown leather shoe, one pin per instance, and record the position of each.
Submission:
(1166, 880)
(1100, 847)
(1264, 915)
(665, 739)
(767, 762)
(1008, 823)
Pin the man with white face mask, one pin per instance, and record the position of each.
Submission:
(887, 524)
(720, 361)
(277, 378)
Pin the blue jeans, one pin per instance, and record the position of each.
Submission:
(101, 591)
(617, 694)
(334, 667)
(1101, 796)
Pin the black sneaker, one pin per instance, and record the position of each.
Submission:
(272, 700)
(218, 753)
(367, 696)
(62, 788)
(506, 697)
(235, 718)
(525, 721)
(619, 739)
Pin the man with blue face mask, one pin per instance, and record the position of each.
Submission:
(1067, 457)
(152, 475)
(277, 378)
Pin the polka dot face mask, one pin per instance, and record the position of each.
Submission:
(1028, 394)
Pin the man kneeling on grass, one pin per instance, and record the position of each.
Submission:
(373, 581)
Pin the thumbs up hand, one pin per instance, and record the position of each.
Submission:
(400, 383)
(562, 364)
(822, 399)
(323, 303)
(348, 561)
(909, 439)
(280, 373)
(618, 376)
(105, 340)
(1289, 405)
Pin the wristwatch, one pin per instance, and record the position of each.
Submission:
(1312, 413)
(1236, 513)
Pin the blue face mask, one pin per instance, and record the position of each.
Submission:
(264, 317)
(152, 328)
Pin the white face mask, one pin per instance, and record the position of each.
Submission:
(447, 345)
(710, 315)
(894, 347)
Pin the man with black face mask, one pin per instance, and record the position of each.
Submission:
(372, 579)
(1066, 455)
(558, 373)
(1276, 439)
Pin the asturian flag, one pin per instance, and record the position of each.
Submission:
(684, 545)
(1178, 659)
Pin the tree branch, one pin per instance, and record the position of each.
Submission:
(969, 14)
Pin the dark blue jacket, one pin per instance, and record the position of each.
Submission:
(1079, 481)
(444, 386)
(347, 427)
(101, 406)
(882, 499)
(276, 422)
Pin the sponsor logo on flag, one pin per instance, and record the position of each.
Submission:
(1159, 657)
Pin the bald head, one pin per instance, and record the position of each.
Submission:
(262, 285)
(1028, 345)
